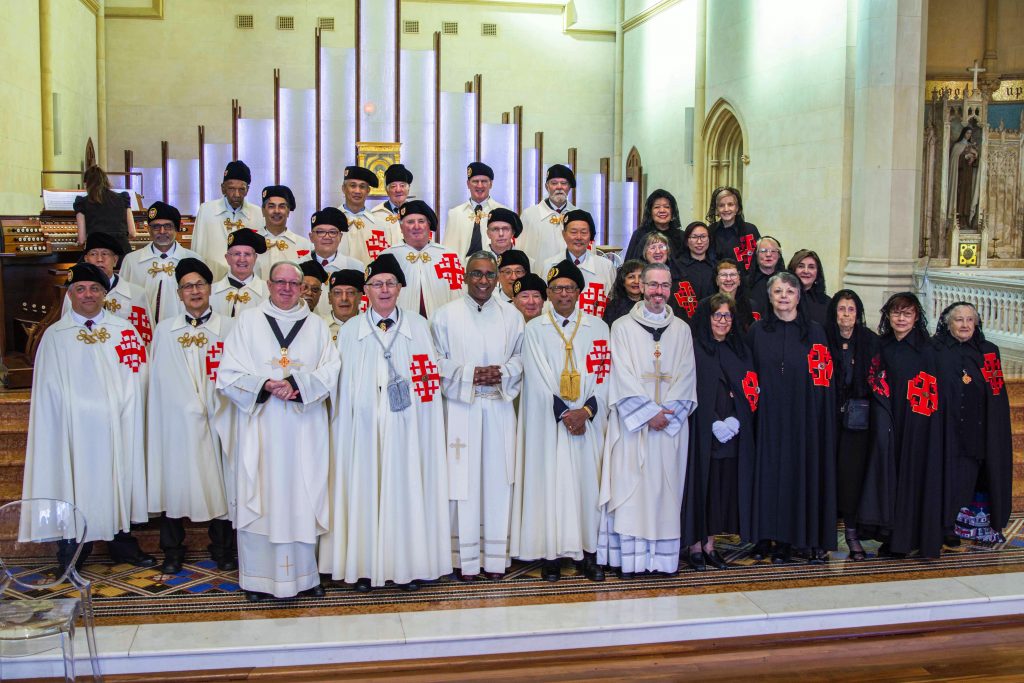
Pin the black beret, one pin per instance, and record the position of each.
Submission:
(192, 265)
(347, 278)
(282, 191)
(418, 206)
(568, 269)
(237, 170)
(503, 215)
(580, 215)
(87, 272)
(103, 240)
(330, 216)
(248, 238)
(561, 171)
(313, 268)
(514, 257)
(476, 168)
(385, 263)
(360, 173)
(530, 282)
(159, 211)
(397, 173)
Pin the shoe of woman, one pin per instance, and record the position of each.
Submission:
(714, 559)
(762, 550)
(783, 554)
(696, 562)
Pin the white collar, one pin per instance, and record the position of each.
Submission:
(559, 319)
(582, 258)
(376, 318)
(344, 206)
(654, 317)
(80, 319)
(170, 252)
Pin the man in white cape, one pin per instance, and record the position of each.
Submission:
(240, 288)
(479, 340)
(465, 231)
(369, 233)
(578, 233)
(389, 488)
(278, 369)
(562, 417)
(541, 235)
(218, 218)
(189, 471)
(653, 389)
(86, 429)
(282, 243)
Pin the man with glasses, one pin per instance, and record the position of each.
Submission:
(578, 231)
(152, 266)
(562, 415)
(370, 236)
(653, 390)
(189, 469)
(512, 265)
(282, 243)
(389, 490)
(328, 226)
(434, 273)
(218, 218)
(769, 262)
(503, 229)
(479, 341)
(240, 288)
(542, 222)
(278, 369)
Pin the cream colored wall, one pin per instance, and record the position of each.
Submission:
(956, 36)
(658, 85)
(166, 77)
(20, 125)
(73, 59)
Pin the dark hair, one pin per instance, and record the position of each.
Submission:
(942, 327)
(861, 338)
(97, 184)
(619, 287)
(689, 231)
(836, 298)
(712, 214)
(818, 286)
(648, 219)
(701, 323)
(899, 301)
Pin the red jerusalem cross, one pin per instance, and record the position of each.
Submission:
(593, 299)
(992, 371)
(686, 298)
(819, 364)
(364, 301)
(425, 380)
(751, 390)
(923, 394)
(213, 360)
(876, 377)
(745, 251)
(376, 243)
(599, 360)
(140, 320)
(130, 352)
(449, 269)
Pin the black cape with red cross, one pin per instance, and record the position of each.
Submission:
(692, 280)
(902, 499)
(795, 476)
(737, 242)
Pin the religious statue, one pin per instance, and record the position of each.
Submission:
(964, 179)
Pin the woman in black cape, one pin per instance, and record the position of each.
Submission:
(626, 291)
(719, 475)
(661, 214)
(693, 271)
(979, 444)
(729, 281)
(732, 236)
(767, 262)
(853, 346)
(806, 265)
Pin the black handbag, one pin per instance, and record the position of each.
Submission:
(856, 412)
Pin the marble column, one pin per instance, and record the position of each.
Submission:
(888, 124)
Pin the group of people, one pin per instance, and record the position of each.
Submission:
(369, 404)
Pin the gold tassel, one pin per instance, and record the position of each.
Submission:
(569, 387)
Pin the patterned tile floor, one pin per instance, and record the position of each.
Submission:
(124, 594)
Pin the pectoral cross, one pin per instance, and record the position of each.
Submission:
(658, 376)
(976, 70)
(458, 446)
(284, 362)
(287, 566)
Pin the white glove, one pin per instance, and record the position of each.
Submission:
(733, 424)
(721, 431)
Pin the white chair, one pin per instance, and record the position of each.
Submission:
(30, 531)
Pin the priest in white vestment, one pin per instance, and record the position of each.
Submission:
(369, 233)
(218, 218)
(278, 369)
(87, 417)
(282, 244)
(189, 473)
(240, 288)
(653, 389)
(465, 231)
(479, 340)
(434, 274)
(578, 232)
(152, 266)
(562, 418)
(542, 222)
(389, 488)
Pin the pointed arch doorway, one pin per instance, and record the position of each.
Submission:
(724, 158)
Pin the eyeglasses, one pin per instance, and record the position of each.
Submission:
(387, 284)
(721, 317)
(657, 246)
(728, 274)
(193, 287)
(698, 238)
(327, 233)
(286, 283)
(658, 285)
(903, 313)
(162, 228)
(479, 275)
(767, 251)
(563, 289)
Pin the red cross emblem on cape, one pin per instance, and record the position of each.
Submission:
(213, 360)
(140, 320)
(376, 243)
(302, 253)
(449, 268)
(593, 299)
(992, 371)
(686, 298)
(755, 315)
(745, 251)
(923, 394)
(130, 352)
(751, 390)
(819, 364)
(364, 303)
(599, 360)
(876, 377)
(425, 380)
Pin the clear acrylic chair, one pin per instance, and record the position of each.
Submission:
(30, 531)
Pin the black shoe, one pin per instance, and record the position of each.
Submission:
(951, 541)
(229, 564)
(171, 565)
(409, 587)
(362, 586)
(762, 550)
(885, 550)
(696, 562)
(783, 554)
(551, 570)
(139, 559)
(625, 576)
(817, 556)
(592, 570)
(715, 560)
(316, 591)
(255, 596)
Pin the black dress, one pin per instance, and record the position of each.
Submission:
(694, 280)
(109, 217)
(757, 289)
(737, 242)
(852, 357)
(815, 305)
(617, 307)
